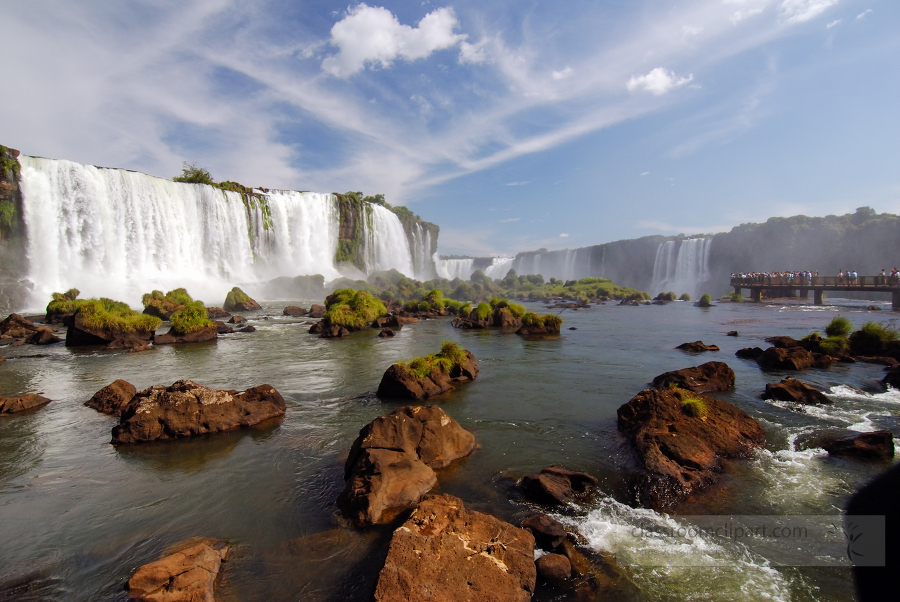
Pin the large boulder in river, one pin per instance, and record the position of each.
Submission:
(187, 575)
(186, 409)
(790, 389)
(892, 378)
(82, 333)
(392, 462)
(316, 311)
(113, 398)
(294, 310)
(711, 376)
(207, 333)
(446, 553)
(749, 353)
(558, 485)
(11, 405)
(411, 381)
(216, 313)
(874, 445)
(786, 358)
(238, 300)
(679, 440)
(697, 347)
(393, 321)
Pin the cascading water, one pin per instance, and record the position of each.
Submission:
(681, 266)
(119, 234)
(454, 268)
(420, 248)
(499, 267)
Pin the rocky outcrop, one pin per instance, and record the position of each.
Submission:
(11, 405)
(875, 445)
(679, 443)
(401, 382)
(392, 462)
(536, 331)
(247, 304)
(81, 334)
(208, 333)
(783, 342)
(14, 327)
(697, 347)
(237, 320)
(711, 376)
(113, 398)
(293, 310)
(557, 485)
(892, 378)
(446, 553)
(386, 333)
(790, 389)
(248, 328)
(393, 321)
(749, 353)
(316, 311)
(548, 532)
(186, 409)
(328, 331)
(786, 358)
(187, 575)
(216, 313)
(222, 327)
(555, 568)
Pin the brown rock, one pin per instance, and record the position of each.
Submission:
(113, 398)
(331, 332)
(163, 311)
(537, 331)
(237, 320)
(249, 305)
(144, 347)
(749, 353)
(222, 327)
(697, 347)
(400, 383)
(316, 311)
(186, 409)
(548, 532)
(15, 325)
(822, 361)
(216, 313)
(558, 485)
(783, 342)
(11, 405)
(43, 337)
(80, 334)
(785, 358)
(732, 333)
(445, 553)
(248, 328)
(293, 310)
(503, 318)
(209, 333)
(798, 391)
(554, 568)
(392, 462)
(386, 332)
(892, 378)
(188, 575)
(711, 376)
(678, 453)
(875, 445)
(393, 321)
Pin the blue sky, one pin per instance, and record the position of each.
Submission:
(513, 125)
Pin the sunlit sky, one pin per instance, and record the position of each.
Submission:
(513, 125)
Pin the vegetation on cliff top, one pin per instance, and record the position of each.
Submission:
(191, 174)
(9, 172)
(449, 357)
(190, 318)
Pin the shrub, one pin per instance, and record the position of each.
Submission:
(497, 302)
(236, 296)
(174, 298)
(839, 327)
(705, 300)
(685, 297)
(879, 331)
(191, 174)
(483, 311)
(736, 298)
(517, 310)
(353, 309)
(833, 345)
(435, 299)
(65, 303)
(694, 406)
(190, 318)
(541, 321)
(115, 315)
(450, 356)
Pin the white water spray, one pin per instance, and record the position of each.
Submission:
(681, 266)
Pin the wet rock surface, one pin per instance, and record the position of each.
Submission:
(875, 445)
(399, 382)
(113, 398)
(209, 333)
(186, 408)
(386, 333)
(216, 313)
(711, 376)
(11, 405)
(558, 485)
(677, 453)
(294, 310)
(790, 389)
(554, 568)
(187, 575)
(786, 358)
(749, 353)
(81, 334)
(392, 462)
(316, 311)
(697, 347)
(548, 532)
(446, 553)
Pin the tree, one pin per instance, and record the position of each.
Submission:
(191, 174)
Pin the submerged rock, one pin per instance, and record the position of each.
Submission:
(892, 378)
(237, 320)
(732, 333)
(786, 358)
(113, 398)
(11, 405)
(186, 409)
(548, 532)
(797, 391)
(558, 485)
(697, 347)
(679, 441)
(446, 553)
(208, 333)
(783, 342)
(386, 332)
(248, 328)
(392, 462)
(187, 575)
(875, 445)
(749, 353)
(711, 376)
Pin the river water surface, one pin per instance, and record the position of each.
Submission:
(78, 515)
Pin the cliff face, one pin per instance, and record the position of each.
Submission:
(13, 262)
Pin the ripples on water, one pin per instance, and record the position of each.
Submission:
(77, 516)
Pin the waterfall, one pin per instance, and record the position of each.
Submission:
(681, 266)
(567, 264)
(454, 268)
(424, 266)
(119, 234)
(499, 267)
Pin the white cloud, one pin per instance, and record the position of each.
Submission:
(512, 219)
(562, 74)
(745, 13)
(692, 30)
(472, 53)
(799, 11)
(373, 35)
(657, 82)
(517, 183)
(832, 24)
(863, 14)
(645, 173)
(564, 235)
(425, 108)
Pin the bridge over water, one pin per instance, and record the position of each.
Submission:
(780, 286)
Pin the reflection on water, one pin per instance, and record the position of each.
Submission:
(84, 514)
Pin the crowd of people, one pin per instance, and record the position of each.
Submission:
(807, 278)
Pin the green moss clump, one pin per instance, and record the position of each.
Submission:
(541, 321)
(236, 296)
(685, 297)
(168, 301)
(839, 327)
(114, 315)
(65, 303)
(190, 318)
(736, 298)
(517, 310)
(833, 345)
(353, 309)
(705, 300)
(483, 311)
(449, 357)
(694, 406)
(879, 331)
(457, 308)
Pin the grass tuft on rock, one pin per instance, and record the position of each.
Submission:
(450, 356)
(168, 302)
(190, 318)
(877, 330)
(106, 313)
(353, 309)
(236, 296)
(685, 297)
(65, 303)
(541, 321)
(694, 407)
(839, 327)
(833, 345)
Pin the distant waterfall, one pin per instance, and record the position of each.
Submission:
(567, 264)
(681, 266)
(420, 247)
(499, 267)
(454, 268)
(119, 234)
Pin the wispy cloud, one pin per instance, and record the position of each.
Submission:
(833, 23)
(863, 14)
(799, 11)
(645, 173)
(658, 82)
(517, 183)
(512, 219)
(564, 235)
